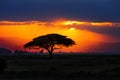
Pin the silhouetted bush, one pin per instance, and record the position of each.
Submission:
(3, 65)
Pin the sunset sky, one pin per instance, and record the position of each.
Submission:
(93, 24)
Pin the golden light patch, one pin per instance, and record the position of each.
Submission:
(72, 28)
(73, 22)
(101, 23)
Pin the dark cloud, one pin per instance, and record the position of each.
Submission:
(111, 31)
(91, 10)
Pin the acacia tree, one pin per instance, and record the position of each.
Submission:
(50, 42)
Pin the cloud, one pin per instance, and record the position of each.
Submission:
(21, 23)
(111, 31)
(105, 28)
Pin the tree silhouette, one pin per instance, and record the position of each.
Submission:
(50, 42)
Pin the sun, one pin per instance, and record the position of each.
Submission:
(72, 28)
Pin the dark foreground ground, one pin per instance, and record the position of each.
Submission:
(62, 67)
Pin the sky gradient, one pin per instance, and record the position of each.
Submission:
(86, 10)
(89, 36)
(93, 24)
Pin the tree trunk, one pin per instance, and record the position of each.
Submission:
(51, 55)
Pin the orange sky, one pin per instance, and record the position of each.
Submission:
(14, 35)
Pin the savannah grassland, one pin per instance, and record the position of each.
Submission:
(62, 67)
